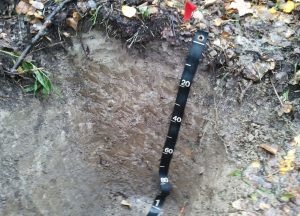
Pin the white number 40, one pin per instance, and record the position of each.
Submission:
(185, 83)
(177, 119)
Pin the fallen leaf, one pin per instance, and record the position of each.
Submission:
(225, 35)
(198, 15)
(286, 196)
(155, 2)
(128, 11)
(255, 164)
(36, 4)
(152, 9)
(22, 7)
(76, 16)
(3, 35)
(218, 22)
(72, 23)
(239, 204)
(271, 149)
(296, 79)
(242, 7)
(209, 2)
(291, 155)
(287, 107)
(126, 203)
(273, 10)
(288, 7)
(66, 34)
(295, 141)
(287, 164)
(31, 11)
(264, 206)
(38, 15)
(170, 3)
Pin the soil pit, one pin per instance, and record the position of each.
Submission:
(99, 141)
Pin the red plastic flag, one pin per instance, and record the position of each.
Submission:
(188, 10)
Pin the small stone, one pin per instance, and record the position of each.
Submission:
(250, 137)
(92, 4)
(230, 53)
(213, 53)
(281, 77)
(264, 206)
(270, 4)
(288, 33)
(198, 15)
(239, 204)
(296, 78)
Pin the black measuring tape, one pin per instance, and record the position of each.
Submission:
(189, 71)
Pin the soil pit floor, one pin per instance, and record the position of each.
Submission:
(99, 140)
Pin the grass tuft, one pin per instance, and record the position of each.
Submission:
(42, 83)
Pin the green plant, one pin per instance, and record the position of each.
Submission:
(236, 173)
(95, 15)
(41, 80)
(285, 95)
(144, 11)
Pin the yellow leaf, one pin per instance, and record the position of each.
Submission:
(273, 10)
(218, 22)
(255, 164)
(285, 166)
(288, 7)
(22, 7)
(170, 3)
(242, 7)
(76, 16)
(128, 11)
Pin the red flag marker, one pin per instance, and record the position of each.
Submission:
(188, 10)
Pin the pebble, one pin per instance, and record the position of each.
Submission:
(230, 53)
(281, 77)
(250, 137)
(92, 4)
(213, 53)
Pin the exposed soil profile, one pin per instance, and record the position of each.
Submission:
(92, 146)
(99, 141)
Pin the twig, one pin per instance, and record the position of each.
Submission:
(216, 126)
(40, 34)
(276, 93)
(45, 47)
(181, 213)
(243, 92)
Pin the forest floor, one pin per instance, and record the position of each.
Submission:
(84, 118)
